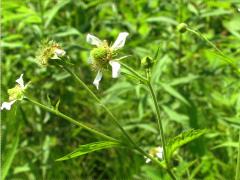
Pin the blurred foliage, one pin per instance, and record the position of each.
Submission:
(196, 89)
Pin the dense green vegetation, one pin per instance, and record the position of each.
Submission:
(195, 75)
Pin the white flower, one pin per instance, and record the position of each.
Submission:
(15, 94)
(155, 152)
(103, 54)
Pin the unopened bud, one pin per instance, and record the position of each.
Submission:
(182, 27)
(147, 62)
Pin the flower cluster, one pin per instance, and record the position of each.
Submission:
(103, 55)
(15, 93)
(155, 152)
(48, 51)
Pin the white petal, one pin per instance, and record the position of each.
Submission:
(20, 81)
(7, 105)
(148, 160)
(93, 40)
(159, 154)
(119, 43)
(60, 52)
(116, 68)
(97, 79)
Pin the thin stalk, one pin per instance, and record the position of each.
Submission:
(227, 59)
(134, 72)
(99, 102)
(71, 120)
(138, 148)
(160, 127)
(238, 161)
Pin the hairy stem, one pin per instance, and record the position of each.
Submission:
(71, 120)
(159, 122)
(160, 126)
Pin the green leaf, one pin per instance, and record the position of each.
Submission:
(183, 80)
(175, 116)
(174, 93)
(9, 156)
(162, 19)
(68, 32)
(52, 12)
(182, 139)
(88, 148)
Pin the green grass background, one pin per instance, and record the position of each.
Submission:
(195, 87)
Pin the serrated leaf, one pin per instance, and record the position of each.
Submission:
(182, 139)
(88, 148)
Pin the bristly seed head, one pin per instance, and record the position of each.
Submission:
(15, 93)
(49, 50)
(101, 56)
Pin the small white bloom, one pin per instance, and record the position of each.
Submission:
(155, 152)
(105, 54)
(15, 94)
(159, 153)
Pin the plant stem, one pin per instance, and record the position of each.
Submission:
(71, 120)
(114, 119)
(238, 161)
(99, 102)
(134, 72)
(160, 127)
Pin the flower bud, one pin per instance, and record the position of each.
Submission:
(147, 62)
(182, 27)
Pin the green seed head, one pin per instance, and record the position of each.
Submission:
(101, 56)
(15, 93)
(46, 52)
(101, 53)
